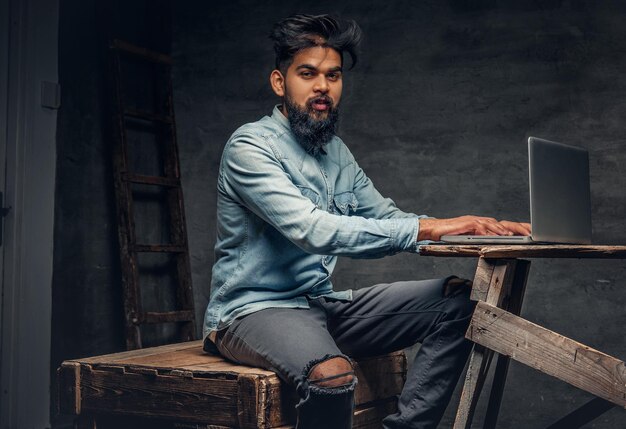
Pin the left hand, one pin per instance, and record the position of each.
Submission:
(517, 228)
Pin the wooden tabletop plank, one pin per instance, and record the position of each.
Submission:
(525, 251)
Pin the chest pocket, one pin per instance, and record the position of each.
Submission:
(346, 203)
(310, 194)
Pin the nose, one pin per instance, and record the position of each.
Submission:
(321, 84)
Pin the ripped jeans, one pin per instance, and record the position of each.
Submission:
(379, 319)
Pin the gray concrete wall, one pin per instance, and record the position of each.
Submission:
(439, 84)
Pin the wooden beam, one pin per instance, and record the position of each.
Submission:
(501, 281)
(551, 353)
(482, 279)
(479, 363)
(173, 397)
(68, 384)
(514, 305)
(493, 281)
(249, 398)
(525, 251)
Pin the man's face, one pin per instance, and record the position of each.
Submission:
(311, 90)
(314, 81)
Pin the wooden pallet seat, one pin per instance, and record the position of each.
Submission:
(180, 386)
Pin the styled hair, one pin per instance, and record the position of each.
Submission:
(299, 32)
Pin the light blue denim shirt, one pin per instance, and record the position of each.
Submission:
(283, 217)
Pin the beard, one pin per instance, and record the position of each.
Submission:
(312, 130)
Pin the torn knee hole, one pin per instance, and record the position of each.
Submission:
(333, 372)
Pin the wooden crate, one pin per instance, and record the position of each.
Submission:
(180, 386)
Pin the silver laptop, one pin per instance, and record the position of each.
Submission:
(560, 202)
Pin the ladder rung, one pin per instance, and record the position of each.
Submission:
(164, 248)
(151, 180)
(144, 53)
(148, 116)
(168, 316)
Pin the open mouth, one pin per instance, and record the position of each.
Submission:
(321, 104)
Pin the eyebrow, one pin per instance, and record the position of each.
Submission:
(312, 67)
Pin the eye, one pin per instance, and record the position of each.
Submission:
(306, 74)
(334, 76)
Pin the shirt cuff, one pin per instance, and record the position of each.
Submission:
(405, 233)
(421, 242)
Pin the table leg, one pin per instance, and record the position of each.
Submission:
(514, 305)
(480, 360)
(492, 283)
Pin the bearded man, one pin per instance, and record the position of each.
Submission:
(291, 199)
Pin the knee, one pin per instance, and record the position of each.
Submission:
(332, 372)
(457, 292)
(455, 286)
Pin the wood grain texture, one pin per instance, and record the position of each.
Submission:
(501, 281)
(549, 352)
(479, 363)
(495, 279)
(68, 385)
(123, 356)
(182, 383)
(514, 306)
(251, 399)
(525, 251)
(380, 377)
(482, 279)
(164, 396)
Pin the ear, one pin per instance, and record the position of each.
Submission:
(277, 81)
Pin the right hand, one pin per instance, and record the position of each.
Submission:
(433, 229)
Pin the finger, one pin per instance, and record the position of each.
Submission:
(488, 219)
(517, 228)
(488, 228)
(524, 227)
(496, 228)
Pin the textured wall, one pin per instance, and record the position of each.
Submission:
(439, 84)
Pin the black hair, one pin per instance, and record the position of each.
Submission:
(299, 32)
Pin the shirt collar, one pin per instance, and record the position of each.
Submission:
(278, 116)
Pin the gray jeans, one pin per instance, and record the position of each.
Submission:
(380, 319)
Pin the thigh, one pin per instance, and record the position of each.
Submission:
(285, 340)
(388, 317)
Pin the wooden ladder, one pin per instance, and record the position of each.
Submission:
(149, 197)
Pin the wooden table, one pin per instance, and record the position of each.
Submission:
(499, 286)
